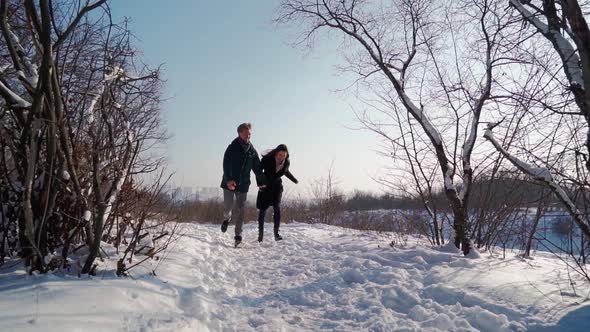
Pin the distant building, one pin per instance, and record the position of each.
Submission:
(186, 193)
(208, 193)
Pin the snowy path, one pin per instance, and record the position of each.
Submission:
(318, 278)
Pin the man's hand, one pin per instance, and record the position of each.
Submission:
(262, 186)
(231, 185)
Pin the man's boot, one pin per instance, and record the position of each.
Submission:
(224, 225)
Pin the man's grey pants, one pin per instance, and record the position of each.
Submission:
(234, 209)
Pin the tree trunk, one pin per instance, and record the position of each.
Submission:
(541, 208)
(460, 223)
(95, 245)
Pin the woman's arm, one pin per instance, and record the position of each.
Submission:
(257, 167)
(290, 176)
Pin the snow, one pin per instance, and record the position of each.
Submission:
(31, 68)
(33, 79)
(422, 119)
(87, 215)
(130, 135)
(15, 40)
(319, 278)
(33, 71)
(113, 72)
(90, 110)
(15, 99)
(470, 142)
(111, 199)
(109, 75)
(449, 178)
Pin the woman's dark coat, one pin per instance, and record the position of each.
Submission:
(273, 192)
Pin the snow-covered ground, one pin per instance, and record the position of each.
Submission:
(319, 278)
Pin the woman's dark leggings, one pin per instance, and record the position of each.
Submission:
(276, 218)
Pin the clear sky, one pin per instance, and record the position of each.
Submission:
(225, 63)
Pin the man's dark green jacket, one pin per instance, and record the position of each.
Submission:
(238, 160)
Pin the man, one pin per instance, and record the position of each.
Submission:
(239, 159)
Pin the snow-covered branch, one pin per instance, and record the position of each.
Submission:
(421, 118)
(565, 49)
(477, 110)
(543, 175)
(26, 69)
(12, 98)
(110, 74)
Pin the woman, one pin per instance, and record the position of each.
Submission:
(274, 165)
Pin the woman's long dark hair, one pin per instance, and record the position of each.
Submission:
(280, 147)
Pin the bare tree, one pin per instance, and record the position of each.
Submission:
(556, 59)
(411, 159)
(542, 175)
(563, 24)
(82, 114)
(328, 200)
(441, 83)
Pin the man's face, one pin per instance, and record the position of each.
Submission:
(245, 135)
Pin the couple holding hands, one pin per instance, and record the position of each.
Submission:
(239, 159)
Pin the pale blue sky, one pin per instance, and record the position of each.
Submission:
(225, 62)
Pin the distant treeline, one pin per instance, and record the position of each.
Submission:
(487, 193)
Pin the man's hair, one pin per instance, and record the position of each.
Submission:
(244, 126)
